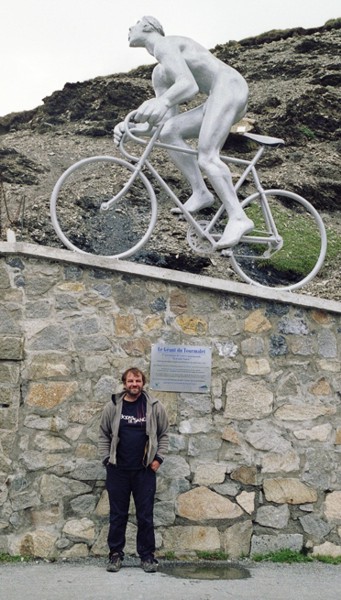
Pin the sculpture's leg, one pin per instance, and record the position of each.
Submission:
(224, 107)
(175, 131)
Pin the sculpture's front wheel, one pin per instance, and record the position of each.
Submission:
(76, 204)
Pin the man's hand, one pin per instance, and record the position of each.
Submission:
(155, 465)
(152, 111)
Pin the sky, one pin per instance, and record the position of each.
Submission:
(45, 44)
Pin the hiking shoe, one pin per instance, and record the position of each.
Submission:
(149, 565)
(115, 563)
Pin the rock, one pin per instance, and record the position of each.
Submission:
(191, 538)
(263, 544)
(327, 549)
(82, 529)
(290, 491)
(236, 539)
(209, 473)
(247, 501)
(332, 506)
(276, 517)
(201, 504)
(247, 399)
(315, 526)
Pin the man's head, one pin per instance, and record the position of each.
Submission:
(143, 28)
(133, 381)
(135, 372)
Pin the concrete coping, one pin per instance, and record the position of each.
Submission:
(169, 275)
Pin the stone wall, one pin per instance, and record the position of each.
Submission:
(253, 466)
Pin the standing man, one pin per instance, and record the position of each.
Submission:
(133, 440)
(184, 69)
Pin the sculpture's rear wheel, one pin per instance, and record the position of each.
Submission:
(299, 256)
(75, 208)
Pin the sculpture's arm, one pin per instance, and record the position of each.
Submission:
(173, 83)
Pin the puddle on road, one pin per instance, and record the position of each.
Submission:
(204, 571)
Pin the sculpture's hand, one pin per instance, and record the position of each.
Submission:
(152, 111)
(118, 133)
(135, 128)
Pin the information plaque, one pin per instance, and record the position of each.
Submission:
(180, 368)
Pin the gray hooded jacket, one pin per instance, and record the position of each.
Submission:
(156, 429)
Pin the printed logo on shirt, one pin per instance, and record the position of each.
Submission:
(133, 420)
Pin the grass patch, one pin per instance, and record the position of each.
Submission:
(211, 555)
(309, 134)
(169, 555)
(297, 228)
(330, 560)
(7, 558)
(285, 555)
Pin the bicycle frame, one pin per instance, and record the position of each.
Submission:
(271, 238)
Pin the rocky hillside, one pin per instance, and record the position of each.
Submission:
(294, 81)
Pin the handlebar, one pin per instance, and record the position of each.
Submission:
(129, 130)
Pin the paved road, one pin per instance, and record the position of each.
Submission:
(90, 581)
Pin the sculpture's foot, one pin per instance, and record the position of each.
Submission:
(196, 202)
(234, 230)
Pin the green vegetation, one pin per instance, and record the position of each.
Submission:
(301, 237)
(309, 134)
(7, 558)
(169, 555)
(285, 555)
(211, 555)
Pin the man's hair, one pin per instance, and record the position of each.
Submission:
(135, 372)
(154, 23)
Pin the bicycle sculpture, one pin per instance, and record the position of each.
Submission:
(107, 205)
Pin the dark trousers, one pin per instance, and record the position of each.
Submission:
(142, 485)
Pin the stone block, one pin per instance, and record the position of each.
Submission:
(247, 501)
(191, 538)
(314, 526)
(257, 366)
(192, 325)
(332, 507)
(80, 529)
(288, 491)
(319, 433)
(11, 347)
(47, 396)
(196, 425)
(231, 435)
(257, 322)
(264, 436)
(327, 549)
(76, 551)
(303, 412)
(262, 544)
(209, 473)
(247, 399)
(200, 504)
(280, 463)
(246, 475)
(175, 467)
(39, 544)
(276, 517)
(236, 539)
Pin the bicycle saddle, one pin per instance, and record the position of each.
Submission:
(264, 140)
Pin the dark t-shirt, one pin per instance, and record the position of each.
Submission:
(132, 434)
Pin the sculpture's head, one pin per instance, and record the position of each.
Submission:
(137, 33)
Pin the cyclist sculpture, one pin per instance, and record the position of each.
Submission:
(184, 69)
